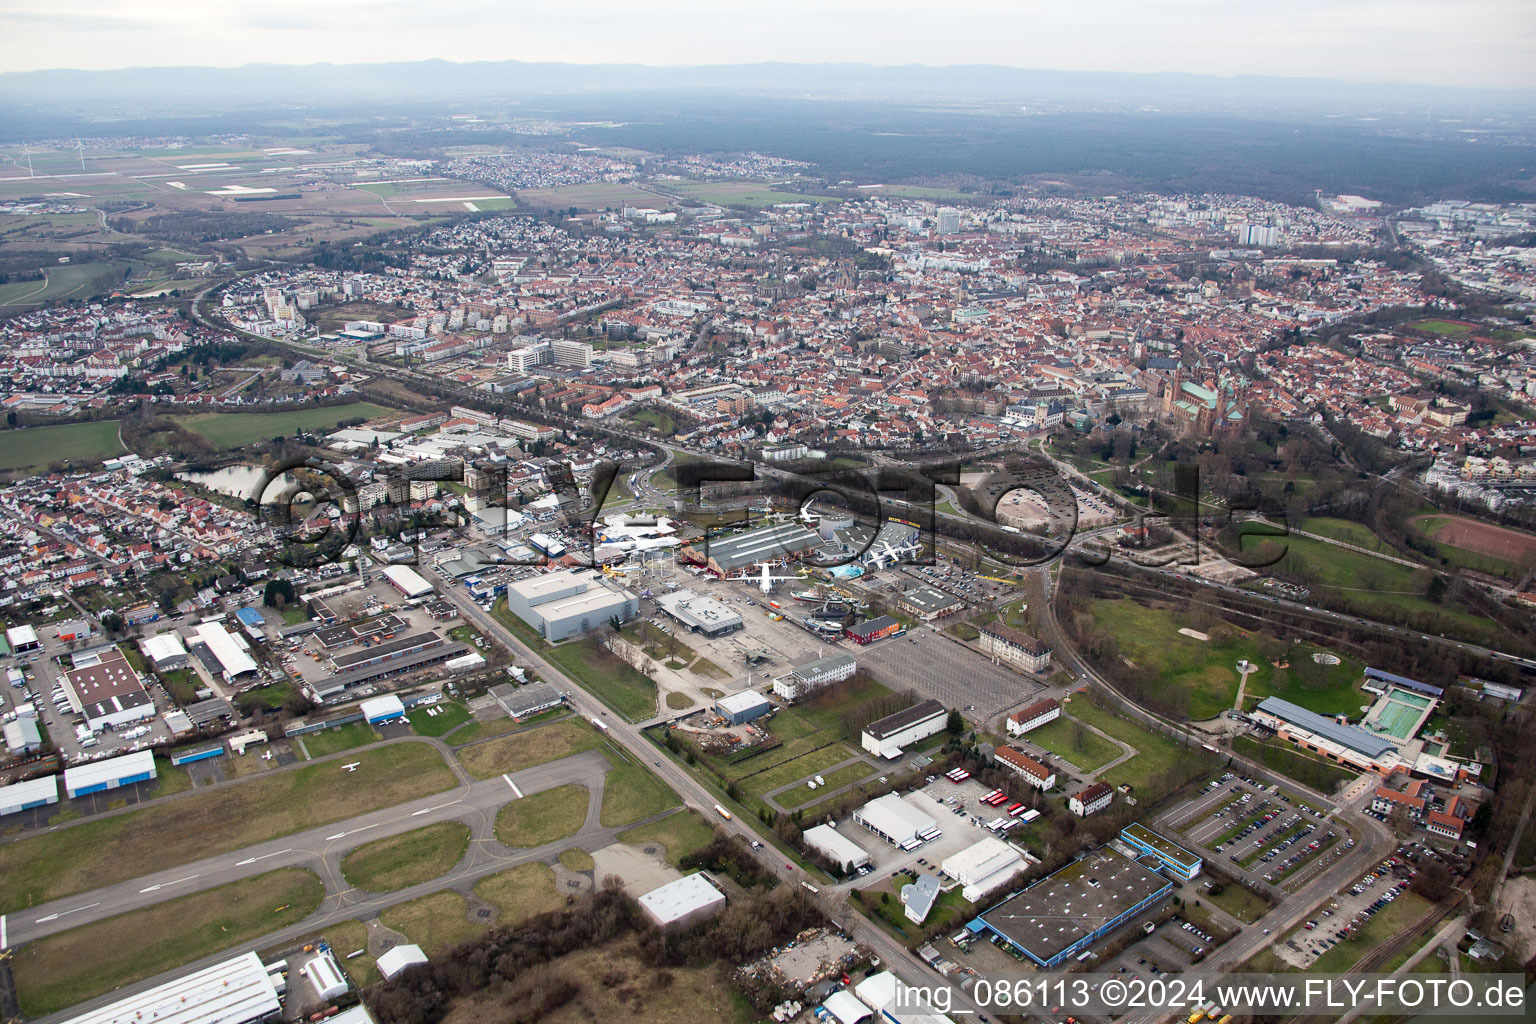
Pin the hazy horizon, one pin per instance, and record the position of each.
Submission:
(1483, 44)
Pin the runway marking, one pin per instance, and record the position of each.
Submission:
(3, 943)
(424, 810)
(508, 780)
(253, 860)
(162, 885)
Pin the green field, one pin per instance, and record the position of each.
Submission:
(237, 429)
(339, 738)
(70, 967)
(520, 893)
(543, 817)
(743, 193)
(104, 851)
(1241, 903)
(1156, 754)
(528, 747)
(436, 923)
(450, 715)
(681, 833)
(408, 859)
(846, 775)
(631, 792)
(920, 192)
(36, 447)
(1207, 669)
(1279, 756)
(1082, 747)
(599, 195)
(1440, 326)
(1347, 531)
(71, 281)
(803, 767)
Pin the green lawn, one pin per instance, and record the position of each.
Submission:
(543, 817)
(70, 967)
(71, 281)
(1345, 530)
(803, 767)
(104, 851)
(1084, 748)
(520, 893)
(238, 429)
(1241, 903)
(339, 738)
(449, 715)
(264, 698)
(681, 834)
(1279, 756)
(631, 792)
(528, 747)
(1439, 326)
(408, 859)
(1156, 754)
(1207, 669)
(436, 923)
(36, 447)
(848, 774)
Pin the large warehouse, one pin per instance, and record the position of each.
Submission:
(165, 651)
(236, 991)
(565, 604)
(23, 796)
(733, 556)
(1064, 913)
(888, 735)
(105, 689)
(406, 580)
(893, 819)
(836, 847)
(700, 612)
(234, 664)
(100, 776)
(983, 866)
(684, 901)
(738, 708)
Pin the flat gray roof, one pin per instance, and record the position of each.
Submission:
(1350, 736)
(890, 725)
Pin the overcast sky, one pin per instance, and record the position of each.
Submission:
(1447, 42)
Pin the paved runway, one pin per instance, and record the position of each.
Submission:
(321, 849)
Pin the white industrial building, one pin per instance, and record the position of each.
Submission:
(165, 651)
(103, 687)
(699, 612)
(845, 1008)
(382, 709)
(398, 958)
(23, 796)
(99, 776)
(833, 845)
(325, 977)
(810, 676)
(235, 664)
(893, 819)
(983, 866)
(22, 638)
(22, 736)
(887, 736)
(407, 580)
(565, 604)
(236, 991)
(745, 706)
(684, 901)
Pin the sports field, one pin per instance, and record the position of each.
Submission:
(1499, 544)
(238, 429)
(36, 447)
(1437, 326)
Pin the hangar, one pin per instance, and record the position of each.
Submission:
(688, 899)
(893, 819)
(700, 612)
(234, 664)
(100, 776)
(165, 651)
(742, 707)
(236, 991)
(565, 604)
(833, 845)
(23, 796)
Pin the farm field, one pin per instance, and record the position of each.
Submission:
(237, 429)
(594, 196)
(66, 968)
(104, 851)
(36, 447)
(743, 193)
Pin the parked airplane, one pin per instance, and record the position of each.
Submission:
(351, 767)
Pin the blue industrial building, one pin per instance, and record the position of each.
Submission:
(114, 772)
(1171, 857)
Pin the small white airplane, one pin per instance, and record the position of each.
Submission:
(351, 767)
(766, 581)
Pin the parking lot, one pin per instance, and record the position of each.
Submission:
(957, 811)
(1348, 911)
